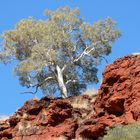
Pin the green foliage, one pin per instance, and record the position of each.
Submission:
(123, 132)
(63, 39)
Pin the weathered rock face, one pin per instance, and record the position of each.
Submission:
(118, 102)
(45, 119)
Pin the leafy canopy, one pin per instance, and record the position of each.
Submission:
(64, 40)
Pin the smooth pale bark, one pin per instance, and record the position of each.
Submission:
(61, 83)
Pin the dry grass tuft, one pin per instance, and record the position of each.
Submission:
(80, 102)
(91, 92)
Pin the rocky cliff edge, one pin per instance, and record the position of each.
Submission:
(81, 117)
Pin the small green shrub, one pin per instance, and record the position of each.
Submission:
(123, 132)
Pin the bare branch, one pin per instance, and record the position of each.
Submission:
(33, 93)
(73, 81)
(81, 55)
(86, 51)
(75, 60)
(37, 86)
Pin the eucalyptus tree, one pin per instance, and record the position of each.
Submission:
(59, 54)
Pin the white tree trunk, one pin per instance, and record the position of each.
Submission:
(61, 83)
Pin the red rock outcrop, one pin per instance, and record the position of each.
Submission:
(118, 102)
(45, 119)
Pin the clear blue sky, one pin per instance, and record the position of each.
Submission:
(125, 12)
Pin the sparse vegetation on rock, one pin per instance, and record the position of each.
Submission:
(123, 132)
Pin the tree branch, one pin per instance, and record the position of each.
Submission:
(85, 52)
(76, 59)
(70, 81)
(37, 86)
(33, 93)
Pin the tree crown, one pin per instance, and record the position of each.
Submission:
(64, 40)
